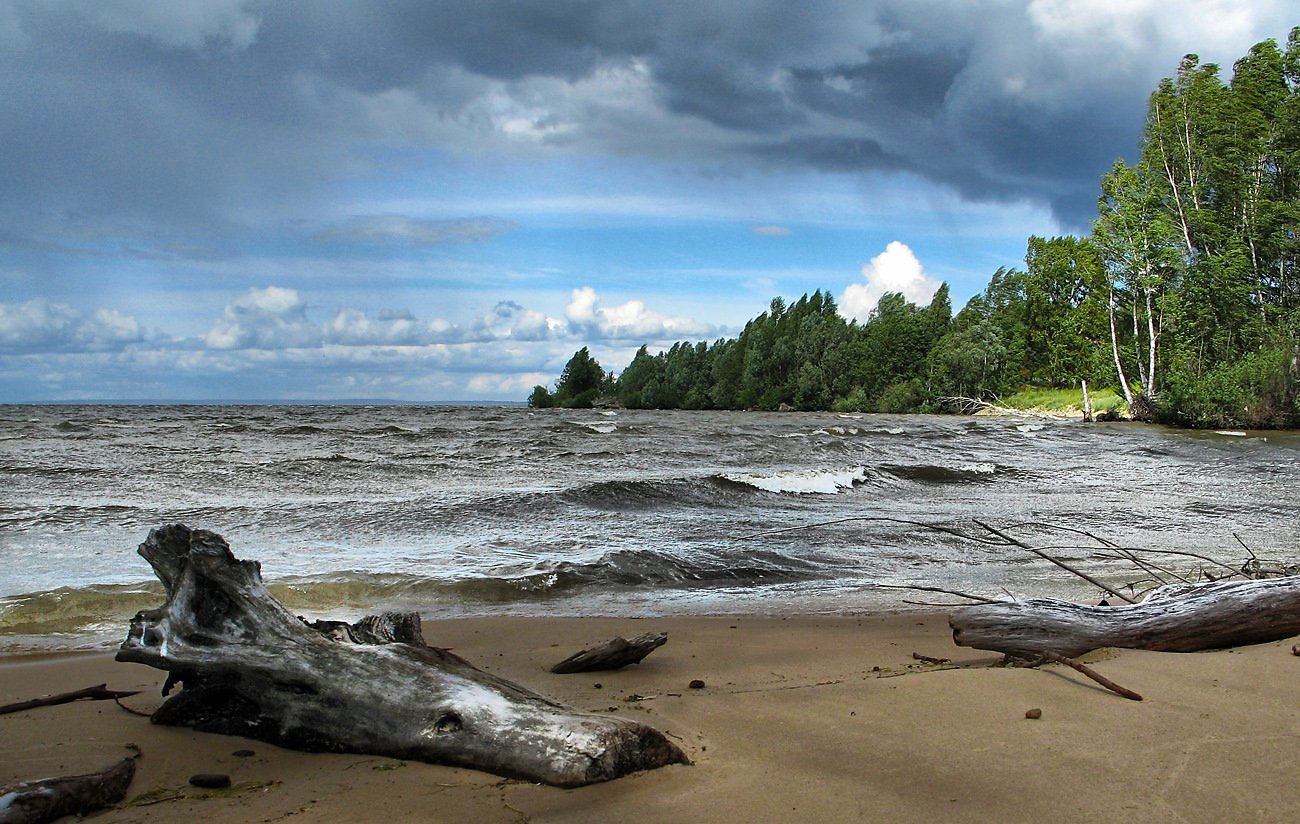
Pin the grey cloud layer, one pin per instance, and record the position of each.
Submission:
(248, 111)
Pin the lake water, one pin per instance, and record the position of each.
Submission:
(486, 510)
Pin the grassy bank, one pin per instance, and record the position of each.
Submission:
(1064, 401)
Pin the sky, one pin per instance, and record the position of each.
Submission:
(434, 200)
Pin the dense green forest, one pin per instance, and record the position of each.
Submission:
(1184, 298)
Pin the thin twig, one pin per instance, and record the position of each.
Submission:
(977, 598)
(1080, 573)
(1249, 551)
(131, 710)
(930, 659)
(1088, 671)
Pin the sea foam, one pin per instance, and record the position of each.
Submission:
(804, 483)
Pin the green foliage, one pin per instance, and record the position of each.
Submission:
(1257, 391)
(581, 384)
(969, 362)
(540, 398)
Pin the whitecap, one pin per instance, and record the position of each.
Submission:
(598, 428)
(804, 483)
(1230, 433)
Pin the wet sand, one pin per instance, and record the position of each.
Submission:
(802, 718)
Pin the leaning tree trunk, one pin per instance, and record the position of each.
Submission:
(249, 667)
(1177, 618)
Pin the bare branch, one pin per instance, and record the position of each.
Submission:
(1080, 573)
(95, 693)
(1088, 671)
(917, 587)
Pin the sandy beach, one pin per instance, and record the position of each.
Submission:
(801, 718)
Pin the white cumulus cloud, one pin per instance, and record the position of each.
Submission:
(270, 318)
(894, 270)
(39, 325)
(627, 321)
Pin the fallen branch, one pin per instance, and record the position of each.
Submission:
(47, 799)
(100, 692)
(1086, 670)
(971, 405)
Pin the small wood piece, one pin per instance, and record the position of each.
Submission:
(248, 667)
(930, 659)
(95, 693)
(48, 799)
(1175, 618)
(615, 653)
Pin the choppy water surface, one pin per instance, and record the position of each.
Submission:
(475, 510)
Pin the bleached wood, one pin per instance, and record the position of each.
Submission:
(249, 667)
(1176, 618)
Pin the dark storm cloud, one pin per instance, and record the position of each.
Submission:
(234, 112)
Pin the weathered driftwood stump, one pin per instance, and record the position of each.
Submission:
(249, 667)
(1178, 618)
(615, 653)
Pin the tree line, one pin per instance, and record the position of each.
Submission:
(1184, 298)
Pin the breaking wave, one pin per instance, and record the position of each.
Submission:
(808, 482)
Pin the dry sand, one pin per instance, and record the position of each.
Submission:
(795, 723)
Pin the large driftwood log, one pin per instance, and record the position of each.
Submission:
(1177, 618)
(249, 667)
(47, 799)
(615, 653)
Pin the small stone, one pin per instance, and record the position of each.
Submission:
(598, 685)
(210, 781)
(696, 684)
(243, 753)
(1034, 713)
